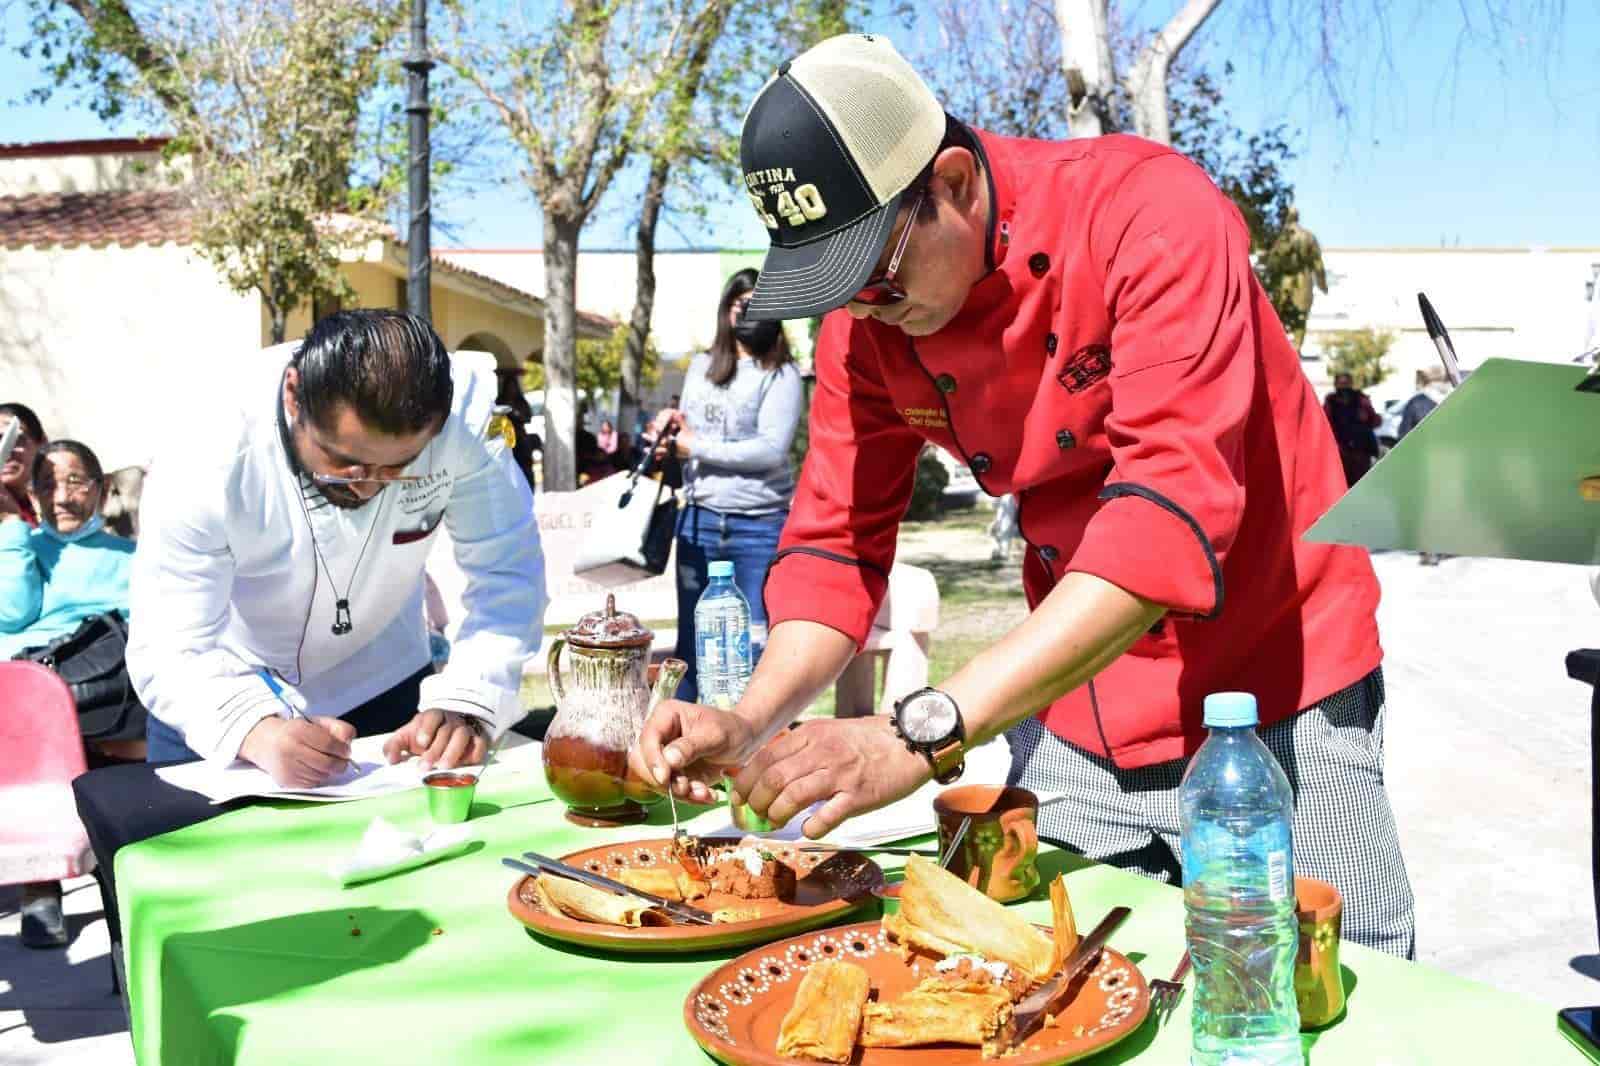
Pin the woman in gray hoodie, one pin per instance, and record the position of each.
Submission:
(741, 403)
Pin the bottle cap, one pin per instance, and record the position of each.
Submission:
(1230, 709)
(720, 568)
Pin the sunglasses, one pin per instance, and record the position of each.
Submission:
(880, 289)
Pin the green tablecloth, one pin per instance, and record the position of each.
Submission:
(240, 949)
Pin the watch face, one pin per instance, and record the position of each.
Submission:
(928, 718)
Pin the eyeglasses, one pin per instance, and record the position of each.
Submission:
(75, 486)
(880, 289)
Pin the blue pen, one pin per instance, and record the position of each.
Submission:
(277, 690)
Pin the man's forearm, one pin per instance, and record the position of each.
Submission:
(801, 659)
(1079, 629)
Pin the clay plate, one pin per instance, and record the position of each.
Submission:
(734, 1013)
(829, 888)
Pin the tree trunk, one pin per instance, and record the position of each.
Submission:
(1086, 62)
(277, 319)
(1147, 81)
(560, 351)
(644, 300)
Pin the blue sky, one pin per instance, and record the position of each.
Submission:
(1445, 141)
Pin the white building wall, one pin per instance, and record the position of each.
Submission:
(106, 343)
(119, 171)
(687, 287)
(1518, 303)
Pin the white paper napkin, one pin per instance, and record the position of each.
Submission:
(908, 817)
(387, 849)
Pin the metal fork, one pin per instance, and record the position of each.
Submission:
(1164, 995)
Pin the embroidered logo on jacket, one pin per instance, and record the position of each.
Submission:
(925, 417)
(1088, 365)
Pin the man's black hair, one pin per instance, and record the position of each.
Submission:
(389, 366)
(30, 421)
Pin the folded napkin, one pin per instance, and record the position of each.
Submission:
(908, 817)
(387, 849)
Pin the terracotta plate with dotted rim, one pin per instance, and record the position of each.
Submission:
(734, 1013)
(829, 888)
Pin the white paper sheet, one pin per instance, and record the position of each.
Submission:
(370, 774)
(908, 817)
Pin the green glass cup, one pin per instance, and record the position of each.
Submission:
(745, 818)
(450, 795)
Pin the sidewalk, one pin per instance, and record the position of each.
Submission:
(1488, 769)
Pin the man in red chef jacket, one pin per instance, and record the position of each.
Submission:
(1078, 322)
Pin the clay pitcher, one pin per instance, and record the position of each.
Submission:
(601, 704)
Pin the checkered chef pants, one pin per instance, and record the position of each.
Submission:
(1344, 831)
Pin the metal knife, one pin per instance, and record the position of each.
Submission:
(671, 906)
(1031, 1011)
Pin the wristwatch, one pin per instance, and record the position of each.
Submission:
(930, 723)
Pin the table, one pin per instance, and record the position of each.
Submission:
(240, 949)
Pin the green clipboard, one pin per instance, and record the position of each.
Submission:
(1494, 471)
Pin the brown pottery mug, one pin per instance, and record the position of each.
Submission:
(998, 854)
(1318, 984)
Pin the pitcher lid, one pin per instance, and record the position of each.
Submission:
(610, 628)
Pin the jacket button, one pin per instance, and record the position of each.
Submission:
(1065, 439)
(1048, 554)
(945, 383)
(1038, 263)
(981, 464)
(1050, 342)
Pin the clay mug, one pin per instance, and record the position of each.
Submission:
(999, 852)
(1318, 985)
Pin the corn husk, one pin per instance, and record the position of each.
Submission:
(942, 914)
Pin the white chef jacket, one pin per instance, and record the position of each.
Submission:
(240, 562)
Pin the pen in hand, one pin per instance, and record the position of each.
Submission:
(294, 712)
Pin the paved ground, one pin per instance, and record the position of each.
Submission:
(1488, 769)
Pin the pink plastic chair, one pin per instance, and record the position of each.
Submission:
(41, 751)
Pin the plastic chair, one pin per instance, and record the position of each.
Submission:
(41, 751)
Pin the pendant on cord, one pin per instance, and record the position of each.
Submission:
(341, 618)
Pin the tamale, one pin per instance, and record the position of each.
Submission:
(937, 1011)
(668, 882)
(1062, 921)
(826, 1014)
(941, 913)
(561, 896)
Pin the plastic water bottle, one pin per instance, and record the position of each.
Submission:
(722, 639)
(1238, 892)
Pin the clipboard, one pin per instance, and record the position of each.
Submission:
(1494, 470)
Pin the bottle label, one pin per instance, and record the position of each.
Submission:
(1278, 876)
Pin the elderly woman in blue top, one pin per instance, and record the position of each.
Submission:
(741, 403)
(51, 579)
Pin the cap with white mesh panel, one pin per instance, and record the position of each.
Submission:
(829, 148)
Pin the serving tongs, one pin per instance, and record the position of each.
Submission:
(682, 912)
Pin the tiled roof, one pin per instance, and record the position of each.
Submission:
(51, 220)
(100, 146)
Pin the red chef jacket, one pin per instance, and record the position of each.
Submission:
(1121, 370)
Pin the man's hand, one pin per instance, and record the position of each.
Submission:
(853, 764)
(299, 752)
(441, 739)
(691, 746)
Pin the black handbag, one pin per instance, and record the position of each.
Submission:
(92, 660)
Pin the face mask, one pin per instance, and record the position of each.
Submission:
(758, 335)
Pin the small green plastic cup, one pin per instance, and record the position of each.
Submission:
(745, 818)
(450, 795)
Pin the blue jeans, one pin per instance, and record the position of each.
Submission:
(704, 537)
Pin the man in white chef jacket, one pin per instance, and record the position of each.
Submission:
(277, 586)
